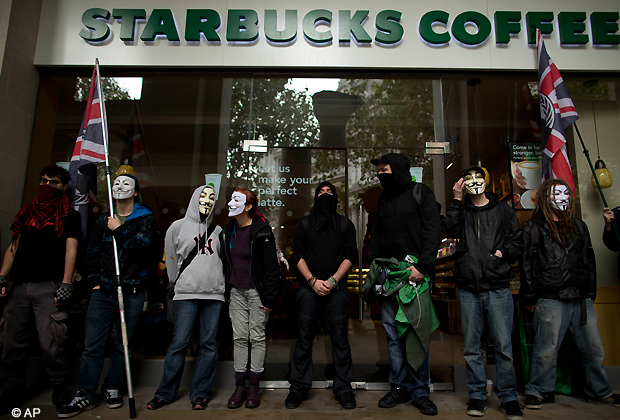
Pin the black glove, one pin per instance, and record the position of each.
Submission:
(3, 285)
(63, 294)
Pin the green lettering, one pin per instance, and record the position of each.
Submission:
(348, 26)
(160, 22)
(202, 21)
(541, 20)
(96, 21)
(604, 28)
(128, 21)
(506, 24)
(572, 28)
(389, 29)
(482, 23)
(310, 22)
(271, 26)
(426, 27)
(242, 25)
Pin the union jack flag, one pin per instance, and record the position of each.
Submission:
(557, 113)
(88, 150)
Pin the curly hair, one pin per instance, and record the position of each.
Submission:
(55, 171)
(564, 226)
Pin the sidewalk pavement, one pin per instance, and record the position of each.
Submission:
(321, 405)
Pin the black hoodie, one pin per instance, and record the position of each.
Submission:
(321, 240)
(482, 231)
(403, 226)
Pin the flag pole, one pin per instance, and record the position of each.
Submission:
(117, 277)
(600, 190)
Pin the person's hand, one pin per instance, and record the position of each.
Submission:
(608, 216)
(113, 222)
(517, 175)
(3, 286)
(498, 253)
(63, 294)
(321, 287)
(267, 310)
(458, 189)
(531, 308)
(415, 274)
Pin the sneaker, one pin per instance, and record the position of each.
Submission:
(532, 402)
(426, 406)
(60, 396)
(613, 399)
(112, 398)
(513, 410)
(294, 400)
(475, 408)
(79, 403)
(199, 403)
(396, 396)
(347, 400)
(156, 404)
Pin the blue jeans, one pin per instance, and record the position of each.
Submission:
(498, 304)
(186, 313)
(551, 320)
(335, 306)
(102, 314)
(401, 373)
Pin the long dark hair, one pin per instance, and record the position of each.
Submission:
(565, 225)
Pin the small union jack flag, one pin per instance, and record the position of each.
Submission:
(89, 150)
(558, 113)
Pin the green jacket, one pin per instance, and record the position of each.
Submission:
(416, 318)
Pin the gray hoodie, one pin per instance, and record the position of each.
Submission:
(203, 278)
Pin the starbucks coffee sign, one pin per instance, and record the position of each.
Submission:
(476, 34)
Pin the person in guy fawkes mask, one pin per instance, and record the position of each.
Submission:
(196, 274)
(490, 240)
(132, 226)
(40, 260)
(558, 284)
(407, 228)
(324, 250)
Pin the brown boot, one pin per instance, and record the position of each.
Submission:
(253, 400)
(240, 393)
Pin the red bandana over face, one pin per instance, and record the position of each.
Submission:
(50, 207)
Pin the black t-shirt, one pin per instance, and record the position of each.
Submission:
(240, 255)
(40, 256)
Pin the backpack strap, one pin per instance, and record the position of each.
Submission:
(417, 193)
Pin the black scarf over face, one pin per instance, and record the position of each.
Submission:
(325, 206)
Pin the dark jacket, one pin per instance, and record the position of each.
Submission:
(264, 268)
(324, 249)
(554, 270)
(609, 238)
(482, 231)
(133, 240)
(403, 226)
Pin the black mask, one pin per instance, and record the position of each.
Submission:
(387, 180)
(325, 204)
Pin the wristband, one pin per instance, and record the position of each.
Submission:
(333, 282)
(311, 281)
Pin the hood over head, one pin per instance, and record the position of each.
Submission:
(334, 200)
(193, 213)
(325, 206)
(400, 165)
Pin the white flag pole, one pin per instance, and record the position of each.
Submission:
(117, 278)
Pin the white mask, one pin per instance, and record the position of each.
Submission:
(123, 187)
(474, 182)
(206, 201)
(236, 205)
(559, 197)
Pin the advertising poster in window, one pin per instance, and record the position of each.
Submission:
(526, 172)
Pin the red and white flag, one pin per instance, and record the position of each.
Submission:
(557, 113)
(88, 150)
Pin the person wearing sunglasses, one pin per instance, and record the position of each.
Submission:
(40, 261)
